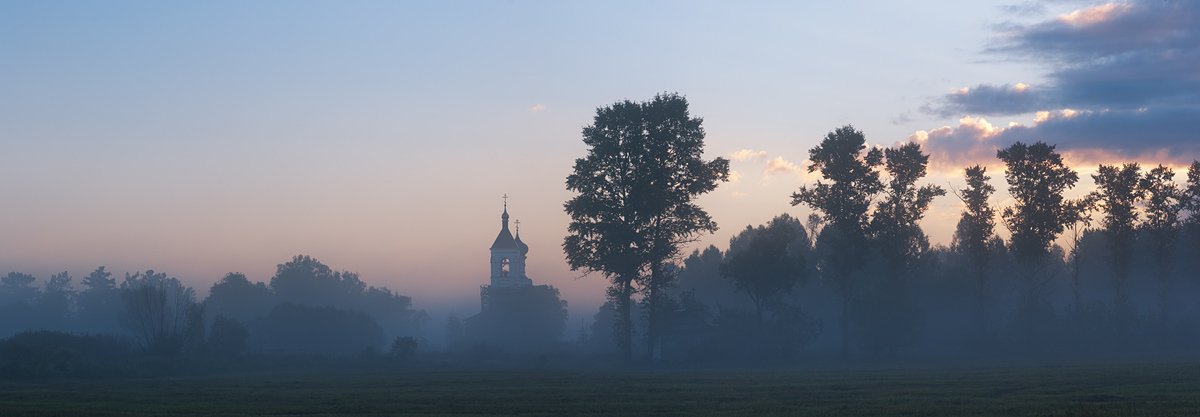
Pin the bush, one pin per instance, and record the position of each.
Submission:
(403, 348)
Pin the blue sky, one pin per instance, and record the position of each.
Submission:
(208, 137)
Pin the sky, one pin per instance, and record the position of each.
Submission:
(200, 138)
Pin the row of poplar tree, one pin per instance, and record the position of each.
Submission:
(635, 211)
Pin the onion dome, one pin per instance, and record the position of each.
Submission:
(524, 248)
(505, 239)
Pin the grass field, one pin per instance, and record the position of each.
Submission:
(1115, 390)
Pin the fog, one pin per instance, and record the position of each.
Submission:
(942, 327)
(1115, 282)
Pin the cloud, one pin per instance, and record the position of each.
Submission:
(1123, 79)
(771, 167)
(972, 141)
(1087, 137)
(537, 108)
(737, 194)
(989, 99)
(781, 166)
(748, 155)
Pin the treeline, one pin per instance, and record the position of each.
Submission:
(306, 309)
(859, 277)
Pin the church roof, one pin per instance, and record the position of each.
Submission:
(505, 239)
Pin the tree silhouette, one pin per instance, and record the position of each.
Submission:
(236, 298)
(403, 348)
(1118, 193)
(305, 280)
(845, 200)
(100, 300)
(1163, 203)
(898, 236)
(769, 268)
(635, 204)
(973, 236)
(18, 288)
(895, 221)
(1037, 178)
(701, 275)
(56, 300)
(162, 313)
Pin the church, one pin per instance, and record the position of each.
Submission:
(508, 256)
(515, 314)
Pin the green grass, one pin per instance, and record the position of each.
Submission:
(1111, 390)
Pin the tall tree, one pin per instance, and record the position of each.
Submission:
(100, 301)
(974, 233)
(99, 280)
(1037, 178)
(1118, 193)
(57, 299)
(897, 234)
(851, 181)
(1163, 203)
(635, 206)
(895, 221)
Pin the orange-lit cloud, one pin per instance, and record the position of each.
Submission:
(748, 155)
(781, 166)
(1084, 137)
(1093, 15)
(951, 148)
(537, 108)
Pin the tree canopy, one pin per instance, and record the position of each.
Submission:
(1037, 178)
(845, 201)
(770, 267)
(1118, 194)
(636, 189)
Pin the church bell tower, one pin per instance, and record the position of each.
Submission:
(508, 256)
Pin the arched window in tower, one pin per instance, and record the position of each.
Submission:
(504, 267)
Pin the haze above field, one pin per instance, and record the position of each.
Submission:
(379, 137)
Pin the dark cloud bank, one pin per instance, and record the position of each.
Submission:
(1123, 80)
